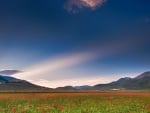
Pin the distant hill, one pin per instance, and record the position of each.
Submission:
(7, 79)
(66, 88)
(84, 87)
(119, 84)
(8, 83)
(141, 82)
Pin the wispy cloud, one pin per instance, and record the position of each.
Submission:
(54, 64)
(74, 6)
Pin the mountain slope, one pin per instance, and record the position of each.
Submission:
(140, 82)
(12, 84)
(119, 84)
(143, 75)
(8, 79)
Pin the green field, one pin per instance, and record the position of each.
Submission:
(75, 102)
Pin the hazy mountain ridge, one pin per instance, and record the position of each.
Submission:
(140, 82)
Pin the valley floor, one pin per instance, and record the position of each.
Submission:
(76, 102)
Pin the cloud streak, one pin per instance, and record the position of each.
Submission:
(74, 6)
(68, 60)
(54, 64)
(53, 69)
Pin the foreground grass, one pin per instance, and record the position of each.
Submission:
(85, 102)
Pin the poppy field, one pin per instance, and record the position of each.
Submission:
(75, 102)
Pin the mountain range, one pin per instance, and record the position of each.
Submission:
(8, 83)
(140, 82)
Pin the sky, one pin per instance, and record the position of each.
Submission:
(74, 42)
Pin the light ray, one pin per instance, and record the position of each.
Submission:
(52, 65)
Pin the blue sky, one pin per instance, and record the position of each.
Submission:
(116, 33)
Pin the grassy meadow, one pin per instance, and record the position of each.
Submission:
(75, 102)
